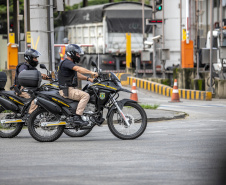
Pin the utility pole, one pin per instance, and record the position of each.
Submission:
(163, 39)
(50, 40)
(211, 46)
(8, 23)
(180, 32)
(187, 21)
(221, 35)
(143, 29)
(41, 28)
(18, 22)
(197, 37)
(25, 24)
(154, 44)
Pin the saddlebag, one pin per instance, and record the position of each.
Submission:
(48, 105)
(8, 105)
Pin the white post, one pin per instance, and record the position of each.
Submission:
(187, 22)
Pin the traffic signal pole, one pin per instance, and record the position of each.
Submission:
(25, 24)
(211, 89)
(163, 40)
(154, 44)
(143, 28)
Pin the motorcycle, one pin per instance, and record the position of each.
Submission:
(13, 108)
(126, 119)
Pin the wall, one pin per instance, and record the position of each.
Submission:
(3, 53)
(172, 25)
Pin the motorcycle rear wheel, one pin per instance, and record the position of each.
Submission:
(8, 130)
(136, 117)
(44, 133)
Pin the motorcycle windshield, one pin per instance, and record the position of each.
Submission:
(114, 77)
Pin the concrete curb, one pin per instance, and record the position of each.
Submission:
(154, 115)
(168, 115)
(127, 79)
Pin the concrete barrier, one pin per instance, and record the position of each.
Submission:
(123, 78)
(127, 79)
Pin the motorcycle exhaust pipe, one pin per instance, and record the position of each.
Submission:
(8, 105)
(48, 105)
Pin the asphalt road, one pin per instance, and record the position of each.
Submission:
(177, 152)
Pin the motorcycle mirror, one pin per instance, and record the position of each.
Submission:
(94, 64)
(42, 66)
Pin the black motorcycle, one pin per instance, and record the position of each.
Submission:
(126, 119)
(13, 109)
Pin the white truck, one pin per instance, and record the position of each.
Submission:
(105, 26)
(218, 53)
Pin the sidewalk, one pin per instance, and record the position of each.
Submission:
(160, 115)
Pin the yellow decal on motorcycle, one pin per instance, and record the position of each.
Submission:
(105, 86)
(13, 121)
(15, 100)
(102, 96)
(55, 124)
(60, 102)
(53, 85)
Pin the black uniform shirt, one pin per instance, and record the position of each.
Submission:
(67, 68)
(22, 67)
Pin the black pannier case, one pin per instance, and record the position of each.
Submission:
(30, 78)
(3, 80)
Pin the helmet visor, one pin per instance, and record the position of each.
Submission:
(35, 53)
(81, 52)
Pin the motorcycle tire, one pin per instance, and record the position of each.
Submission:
(34, 123)
(136, 117)
(5, 130)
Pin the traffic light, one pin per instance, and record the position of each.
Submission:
(159, 8)
(158, 5)
(11, 27)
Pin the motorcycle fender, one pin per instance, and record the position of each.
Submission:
(121, 103)
(8, 105)
(48, 105)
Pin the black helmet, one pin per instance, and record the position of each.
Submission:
(71, 51)
(29, 55)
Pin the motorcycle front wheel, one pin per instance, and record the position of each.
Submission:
(136, 117)
(12, 129)
(44, 133)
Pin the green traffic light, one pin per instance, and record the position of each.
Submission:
(160, 8)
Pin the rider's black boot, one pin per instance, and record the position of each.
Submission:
(78, 120)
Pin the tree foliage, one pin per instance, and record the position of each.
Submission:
(3, 14)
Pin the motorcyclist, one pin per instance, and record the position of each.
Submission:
(31, 62)
(68, 73)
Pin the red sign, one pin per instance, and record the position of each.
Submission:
(153, 22)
